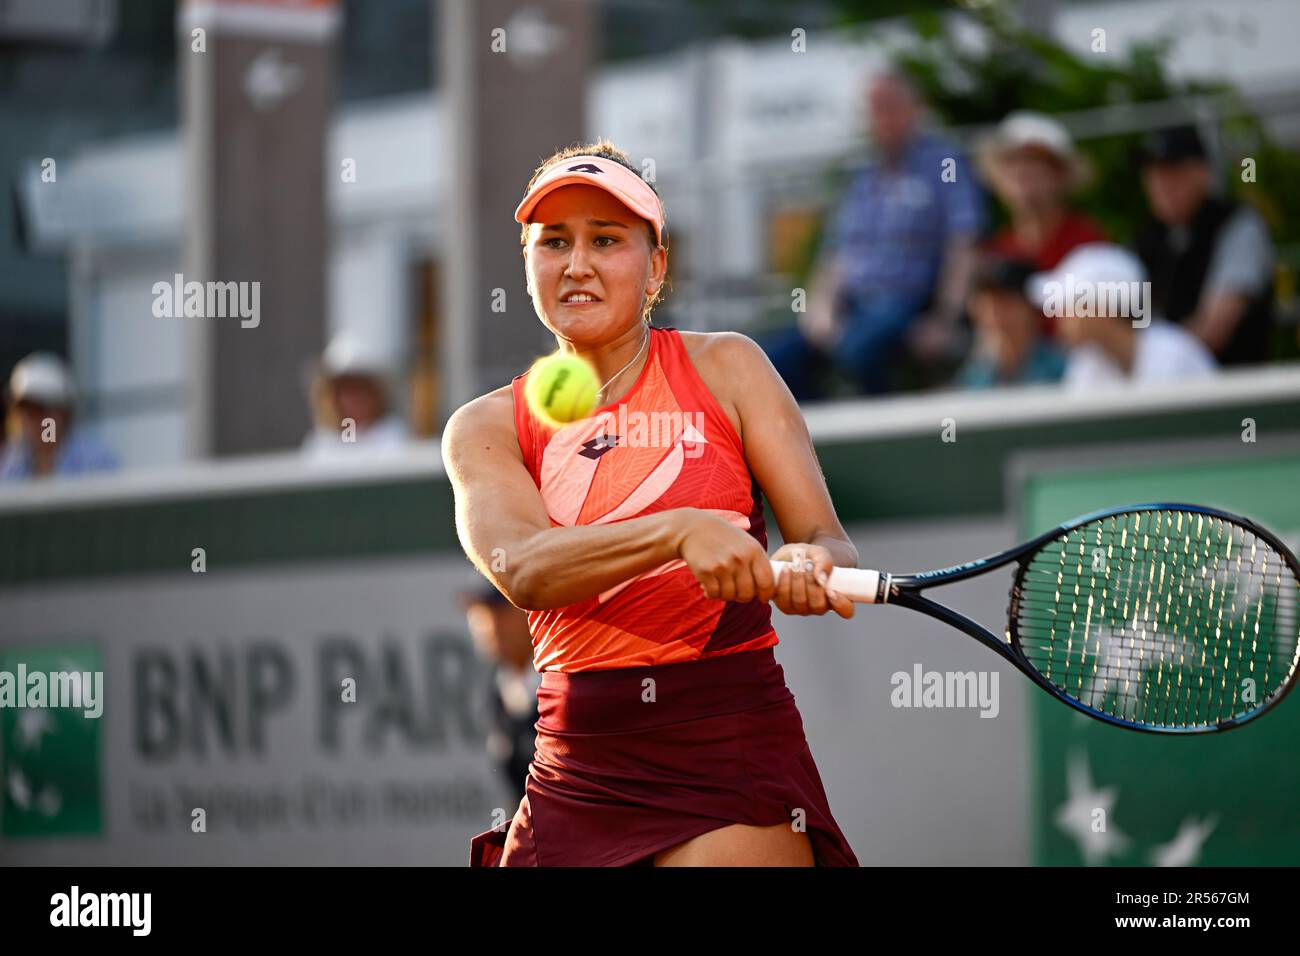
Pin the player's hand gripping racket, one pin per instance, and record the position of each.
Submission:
(1162, 617)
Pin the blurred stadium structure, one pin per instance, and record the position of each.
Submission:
(222, 686)
(746, 166)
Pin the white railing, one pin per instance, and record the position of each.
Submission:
(859, 420)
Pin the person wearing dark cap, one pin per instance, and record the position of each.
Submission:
(1210, 259)
(1010, 348)
(501, 636)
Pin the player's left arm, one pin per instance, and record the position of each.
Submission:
(779, 451)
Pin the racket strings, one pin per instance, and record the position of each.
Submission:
(1167, 617)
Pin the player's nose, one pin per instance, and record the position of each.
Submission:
(579, 261)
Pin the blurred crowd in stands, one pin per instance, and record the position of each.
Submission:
(350, 396)
(911, 280)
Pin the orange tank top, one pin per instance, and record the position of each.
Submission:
(666, 444)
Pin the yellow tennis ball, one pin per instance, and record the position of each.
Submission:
(561, 388)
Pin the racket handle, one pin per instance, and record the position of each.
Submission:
(857, 584)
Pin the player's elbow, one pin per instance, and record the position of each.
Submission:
(530, 592)
(519, 584)
(510, 588)
(516, 591)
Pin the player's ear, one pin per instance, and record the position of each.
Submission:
(658, 272)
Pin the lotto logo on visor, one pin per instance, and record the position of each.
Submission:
(615, 178)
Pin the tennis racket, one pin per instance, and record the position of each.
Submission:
(1166, 618)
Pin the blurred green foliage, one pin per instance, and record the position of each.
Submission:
(1019, 68)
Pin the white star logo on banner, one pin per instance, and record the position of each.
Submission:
(1185, 848)
(32, 725)
(1075, 816)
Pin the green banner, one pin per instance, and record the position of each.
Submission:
(1101, 795)
(49, 756)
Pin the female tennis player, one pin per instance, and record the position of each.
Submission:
(635, 540)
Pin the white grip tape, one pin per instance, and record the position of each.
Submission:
(858, 584)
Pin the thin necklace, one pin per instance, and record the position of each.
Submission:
(644, 340)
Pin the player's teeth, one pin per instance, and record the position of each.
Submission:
(582, 298)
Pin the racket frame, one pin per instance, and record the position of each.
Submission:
(904, 590)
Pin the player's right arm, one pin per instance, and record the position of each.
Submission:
(504, 528)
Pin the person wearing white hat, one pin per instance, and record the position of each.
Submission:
(42, 441)
(350, 400)
(1032, 165)
(1101, 299)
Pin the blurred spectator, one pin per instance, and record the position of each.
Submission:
(1210, 259)
(501, 636)
(1032, 166)
(1105, 346)
(350, 401)
(900, 244)
(42, 440)
(1009, 345)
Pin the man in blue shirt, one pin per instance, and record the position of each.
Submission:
(42, 441)
(896, 256)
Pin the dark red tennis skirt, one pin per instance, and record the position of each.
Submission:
(633, 761)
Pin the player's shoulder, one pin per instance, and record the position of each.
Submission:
(722, 348)
(734, 368)
(490, 413)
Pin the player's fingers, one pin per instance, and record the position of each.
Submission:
(823, 600)
(782, 593)
(814, 593)
(817, 603)
(799, 582)
(842, 605)
(764, 577)
(822, 568)
(709, 585)
(727, 586)
(745, 587)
